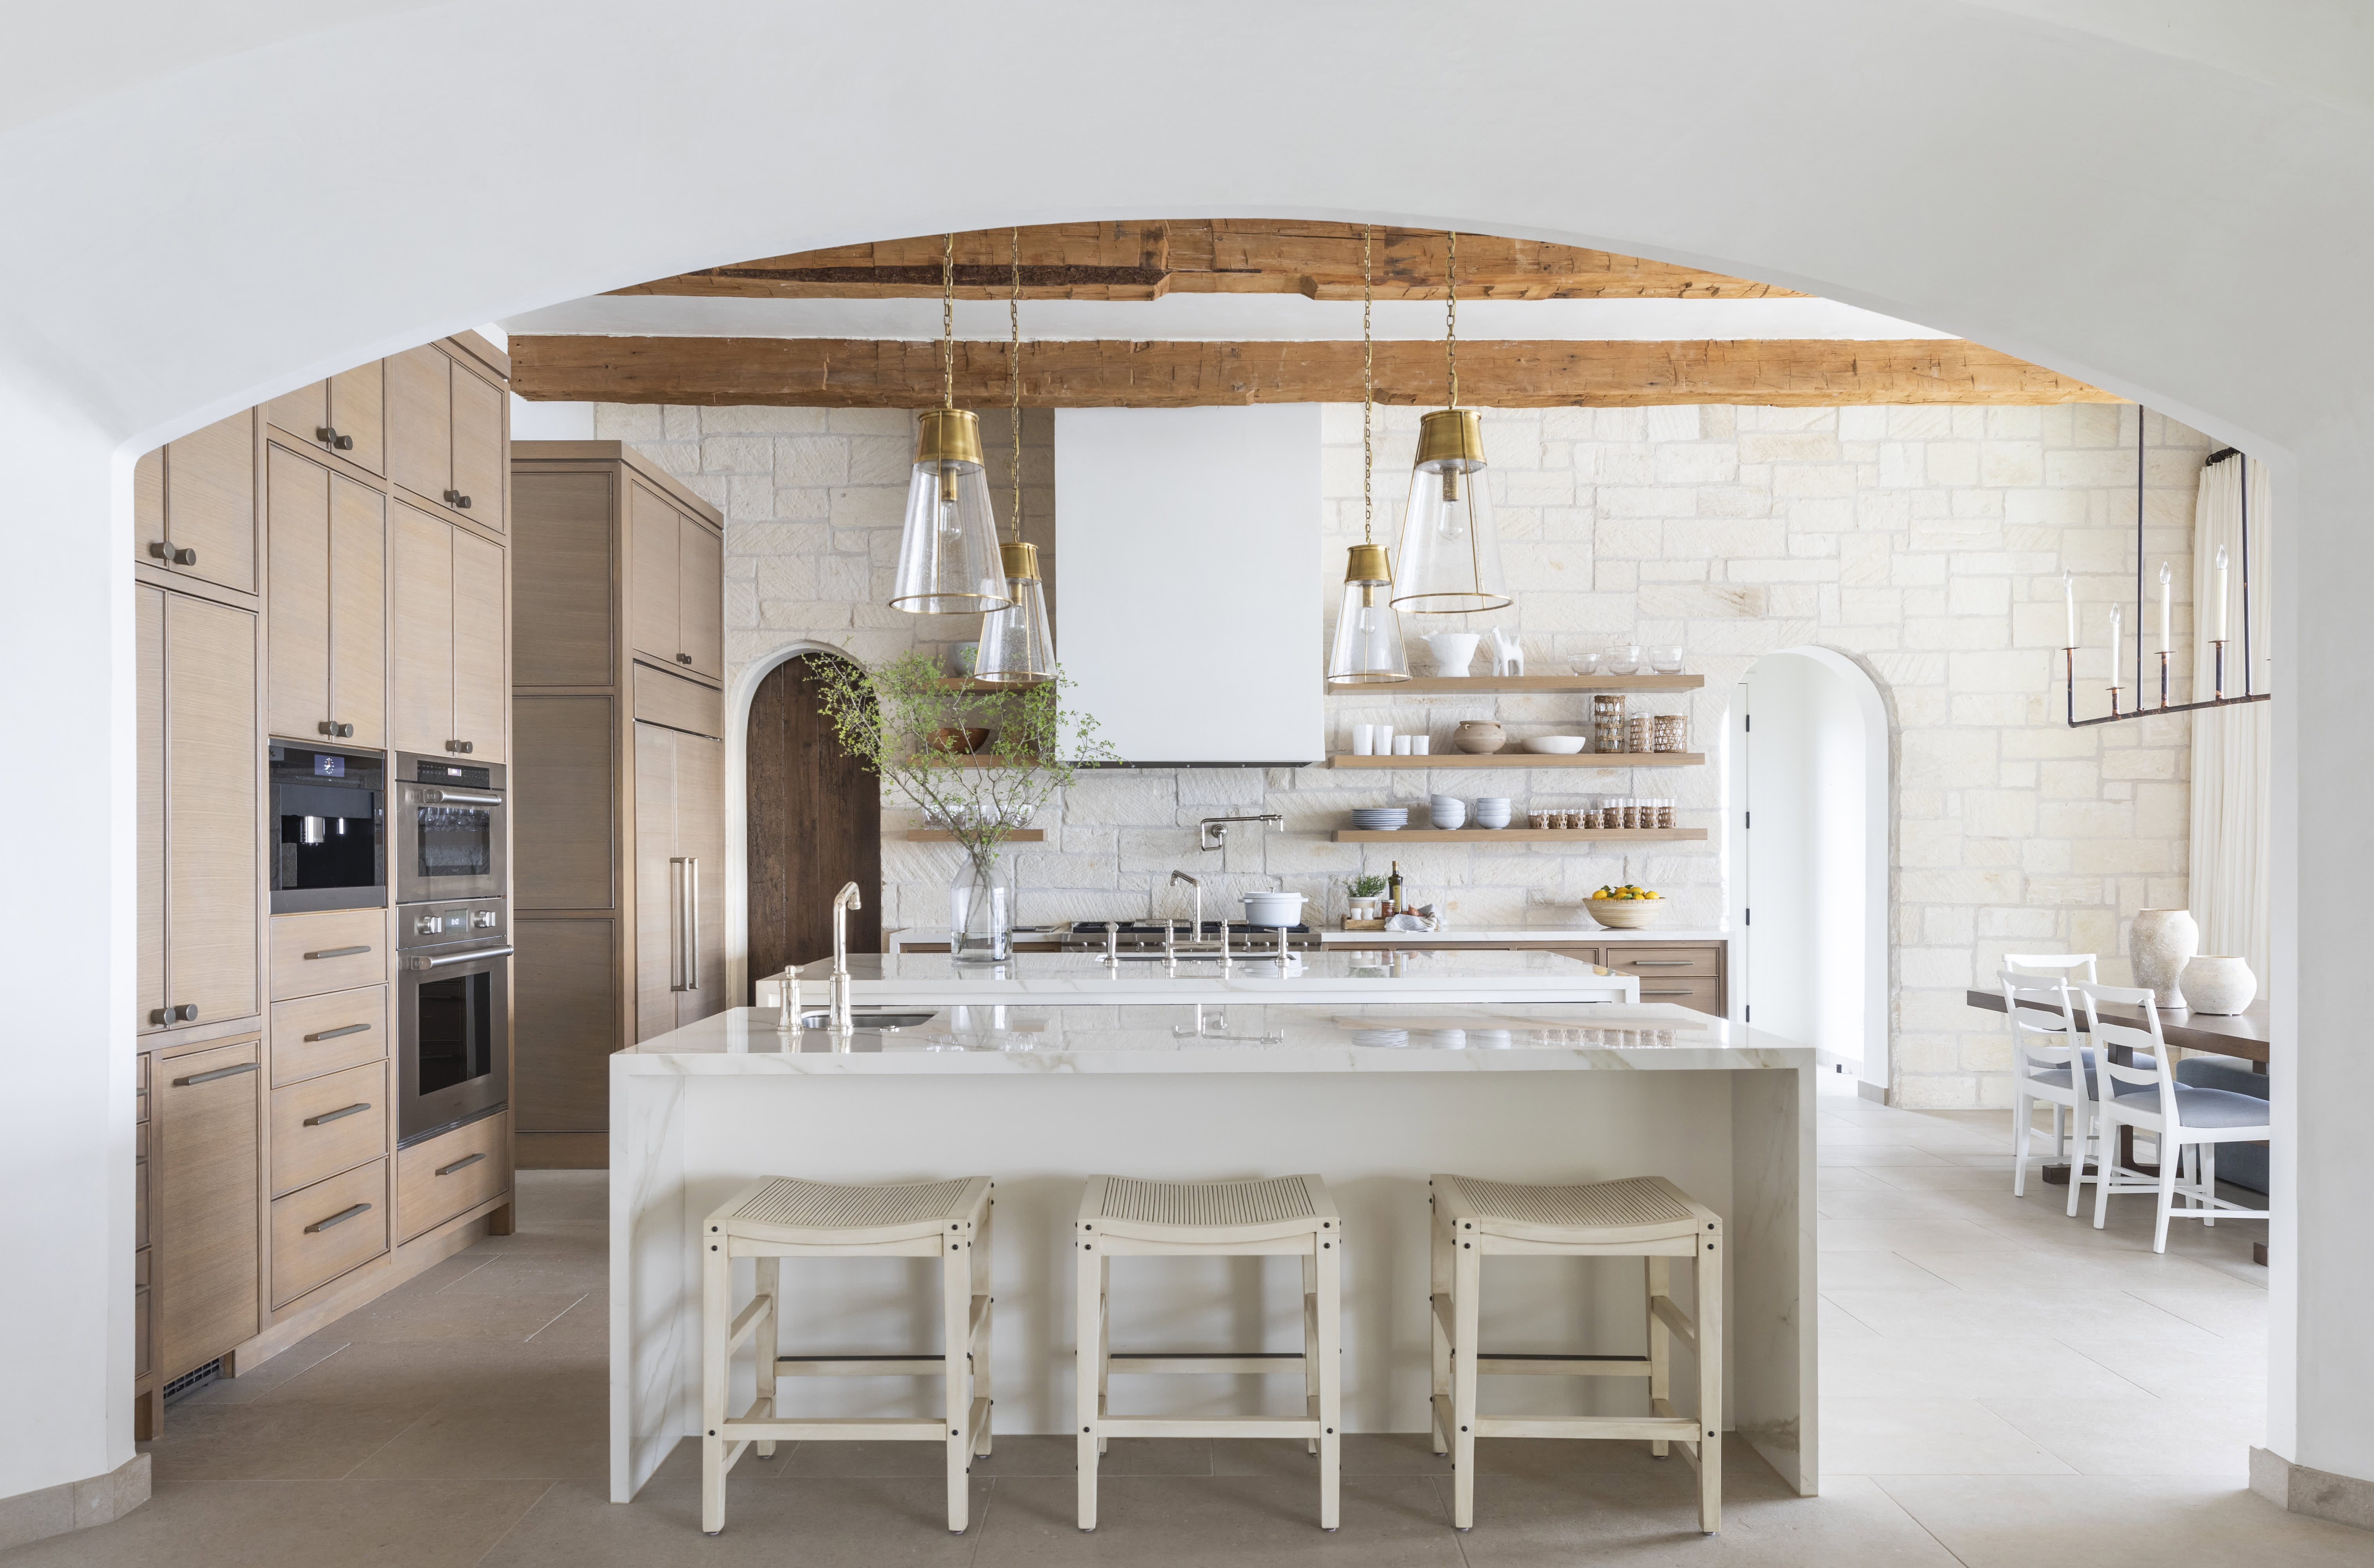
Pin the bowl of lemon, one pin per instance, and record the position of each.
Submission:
(1626, 908)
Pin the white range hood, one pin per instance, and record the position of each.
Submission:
(1190, 616)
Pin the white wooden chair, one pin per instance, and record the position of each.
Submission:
(1646, 1217)
(2182, 1119)
(775, 1218)
(1283, 1216)
(2048, 1066)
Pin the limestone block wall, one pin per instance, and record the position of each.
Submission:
(1927, 544)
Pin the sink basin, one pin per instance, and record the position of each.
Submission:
(821, 1018)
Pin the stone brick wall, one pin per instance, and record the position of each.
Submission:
(1927, 544)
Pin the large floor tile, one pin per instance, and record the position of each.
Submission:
(297, 1524)
(450, 1319)
(2119, 1522)
(2143, 1437)
(1877, 1272)
(1218, 1521)
(1881, 1368)
(264, 1378)
(1364, 1454)
(1852, 1523)
(2198, 1367)
(546, 1429)
(1905, 1234)
(1927, 1438)
(278, 1440)
(856, 1522)
(1957, 1317)
(530, 1274)
(2145, 1274)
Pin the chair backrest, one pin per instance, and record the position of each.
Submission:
(2108, 1034)
(2033, 963)
(2037, 1046)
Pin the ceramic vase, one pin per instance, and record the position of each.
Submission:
(1478, 736)
(2159, 943)
(2219, 984)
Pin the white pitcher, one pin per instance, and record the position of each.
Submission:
(1453, 651)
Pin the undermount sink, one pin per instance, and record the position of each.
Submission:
(821, 1018)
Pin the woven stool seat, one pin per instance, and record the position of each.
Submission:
(1277, 1206)
(820, 1213)
(1637, 1208)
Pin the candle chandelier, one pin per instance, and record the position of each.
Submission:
(2216, 605)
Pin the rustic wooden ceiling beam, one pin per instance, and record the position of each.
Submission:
(857, 373)
(1146, 260)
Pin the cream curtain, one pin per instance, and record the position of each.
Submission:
(2232, 748)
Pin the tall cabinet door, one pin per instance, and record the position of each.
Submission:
(358, 411)
(481, 684)
(297, 555)
(700, 598)
(357, 611)
(204, 1164)
(655, 550)
(211, 501)
(420, 558)
(700, 835)
(211, 825)
(420, 421)
(479, 411)
(148, 621)
(657, 935)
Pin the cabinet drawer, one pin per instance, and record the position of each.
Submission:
(1703, 994)
(317, 1130)
(317, 1035)
(677, 703)
(453, 1173)
(311, 1243)
(1644, 961)
(333, 952)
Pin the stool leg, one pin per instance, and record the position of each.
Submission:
(771, 1285)
(1467, 1278)
(1087, 1338)
(1709, 1324)
(1310, 1339)
(1104, 1349)
(955, 1315)
(716, 1318)
(1328, 1353)
(1439, 1255)
(1661, 1346)
(981, 1286)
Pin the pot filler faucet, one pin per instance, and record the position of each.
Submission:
(1214, 829)
(842, 903)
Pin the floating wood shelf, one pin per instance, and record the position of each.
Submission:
(1432, 685)
(1604, 760)
(1522, 835)
(1018, 836)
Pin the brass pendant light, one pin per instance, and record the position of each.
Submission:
(1368, 647)
(1018, 646)
(1449, 554)
(949, 562)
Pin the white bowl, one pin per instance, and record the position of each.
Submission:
(1448, 820)
(1555, 745)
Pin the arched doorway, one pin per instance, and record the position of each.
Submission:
(1809, 854)
(812, 821)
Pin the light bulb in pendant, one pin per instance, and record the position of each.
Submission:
(1450, 515)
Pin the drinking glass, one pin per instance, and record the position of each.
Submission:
(1665, 658)
(1625, 661)
(1586, 663)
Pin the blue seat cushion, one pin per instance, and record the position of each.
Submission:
(2059, 1077)
(2227, 1072)
(2204, 1108)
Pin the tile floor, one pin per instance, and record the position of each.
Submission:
(2000, 1385)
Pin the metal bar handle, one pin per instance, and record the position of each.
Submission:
(458, 798)
(679, 931)
(1680, 992)
(218, 1073)
(692, 923)
(418, 964)
(339, 1033)
(465, 1160)
(340, 1218)
(1661, 963)
(339, 951)
(356, 1109)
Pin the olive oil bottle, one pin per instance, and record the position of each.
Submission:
(1393, 891)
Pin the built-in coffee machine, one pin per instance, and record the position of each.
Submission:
(329, 844)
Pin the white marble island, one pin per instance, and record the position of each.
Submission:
(1372, 1097)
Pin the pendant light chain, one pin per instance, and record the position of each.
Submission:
(1013, 378)
(1450, 329)
(949, 322)
(1367, 401)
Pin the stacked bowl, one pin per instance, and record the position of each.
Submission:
(1381, 819)
(1492, 811)
(1448, 811)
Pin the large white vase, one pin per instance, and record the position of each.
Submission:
(2220, 985)
(2159, 943)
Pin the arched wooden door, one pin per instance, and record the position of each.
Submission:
(816, 822)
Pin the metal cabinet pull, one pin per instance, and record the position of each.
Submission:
(339, 951)
(1681, 992)
(463, 502)
(684, 658)
(167, 553)
(185, 1013)
(335, 730)
(460, 748)
(218, 1073)
(329, 437)
(356, 1109)
(340, 1218)
(416, 964)
(686, 871)
(458, 798)
(339, 1033)
(465, 1160)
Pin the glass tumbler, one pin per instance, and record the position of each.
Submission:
(1607, 722)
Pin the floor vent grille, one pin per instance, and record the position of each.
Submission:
(191, 1382)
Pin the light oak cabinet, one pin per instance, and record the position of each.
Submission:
(619, 852)
(326, 550)
(205, 1164)
(448, 429)
(344, 414)
(199, 838)
(194, 505)
(449, 636)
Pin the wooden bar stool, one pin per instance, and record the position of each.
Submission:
(1645, 1217)
(776, 1218)
(1285, 1216)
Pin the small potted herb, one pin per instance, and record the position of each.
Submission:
(1364, 897)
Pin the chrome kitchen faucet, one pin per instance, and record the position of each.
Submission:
(842, 903)
(1213, 832)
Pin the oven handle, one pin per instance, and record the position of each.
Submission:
(439, 963)
(457, 798)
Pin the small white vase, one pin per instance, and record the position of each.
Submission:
(2159, 943)
(2219, 984)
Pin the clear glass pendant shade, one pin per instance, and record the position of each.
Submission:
(949, 562)
(1449, 560)
(1017, 646)
(1368, 648)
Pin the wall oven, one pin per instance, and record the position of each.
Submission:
(453, 1009)
(449, 833)
(329, 848)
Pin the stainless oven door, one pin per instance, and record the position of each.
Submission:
(449, 843)
(453, 1009)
